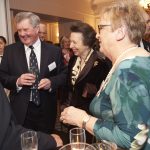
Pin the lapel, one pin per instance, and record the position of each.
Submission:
(87, 67)
(5, 115)
(22, 57)
(44, 58)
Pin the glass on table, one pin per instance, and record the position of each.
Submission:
(77, 146)
(29, 140)
(77, 135)
(105, 145)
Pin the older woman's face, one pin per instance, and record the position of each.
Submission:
(105, 35)
(76, 44)
(66, 43)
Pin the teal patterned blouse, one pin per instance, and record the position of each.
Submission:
(124, 104)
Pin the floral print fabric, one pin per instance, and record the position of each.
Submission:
(124, 103)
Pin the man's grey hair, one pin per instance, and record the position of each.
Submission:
(33, 18)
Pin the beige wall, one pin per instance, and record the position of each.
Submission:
(64, 29)
(73, 9)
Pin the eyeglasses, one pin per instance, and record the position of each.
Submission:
(101, 26)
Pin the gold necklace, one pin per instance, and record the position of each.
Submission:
(118, 60)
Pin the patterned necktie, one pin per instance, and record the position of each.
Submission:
(34, 97)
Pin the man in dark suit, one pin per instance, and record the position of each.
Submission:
(36, 114)
(10, 132)
(42, 31)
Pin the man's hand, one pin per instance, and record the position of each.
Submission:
(44, 84)
(26, 79)
(57, 139)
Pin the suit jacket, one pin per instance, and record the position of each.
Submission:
(14, 64)
(93, 73)
(10, 132)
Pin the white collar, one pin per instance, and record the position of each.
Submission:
(35, 45)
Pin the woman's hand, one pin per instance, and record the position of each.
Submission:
(73, 116)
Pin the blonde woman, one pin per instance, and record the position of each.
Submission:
(65, 47)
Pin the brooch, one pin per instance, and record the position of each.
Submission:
(95, 63)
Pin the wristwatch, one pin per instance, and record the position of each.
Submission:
(85, 120)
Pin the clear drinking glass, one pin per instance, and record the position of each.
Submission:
(29, 140)
(77, 135)
(33, 70)
(105, 145)
(77, 146)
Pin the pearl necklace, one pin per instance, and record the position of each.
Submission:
(118, 60)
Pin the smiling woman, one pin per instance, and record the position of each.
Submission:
(86, 69)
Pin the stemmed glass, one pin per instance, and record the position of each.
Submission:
(105, 145)
(77, 135)
(78, 146)
(29, 140)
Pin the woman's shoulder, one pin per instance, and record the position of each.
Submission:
(135, 63)
(102, 59)
(134, 69)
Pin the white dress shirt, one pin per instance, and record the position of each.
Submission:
(37, 51)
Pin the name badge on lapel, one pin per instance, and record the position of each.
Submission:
(52, 66)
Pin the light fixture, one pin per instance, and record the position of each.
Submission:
(145, 3)
(57, 34)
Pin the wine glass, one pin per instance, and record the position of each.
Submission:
(77, 135)
(105, 145)
(33, 70)
(29, 140)
(78, 146)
